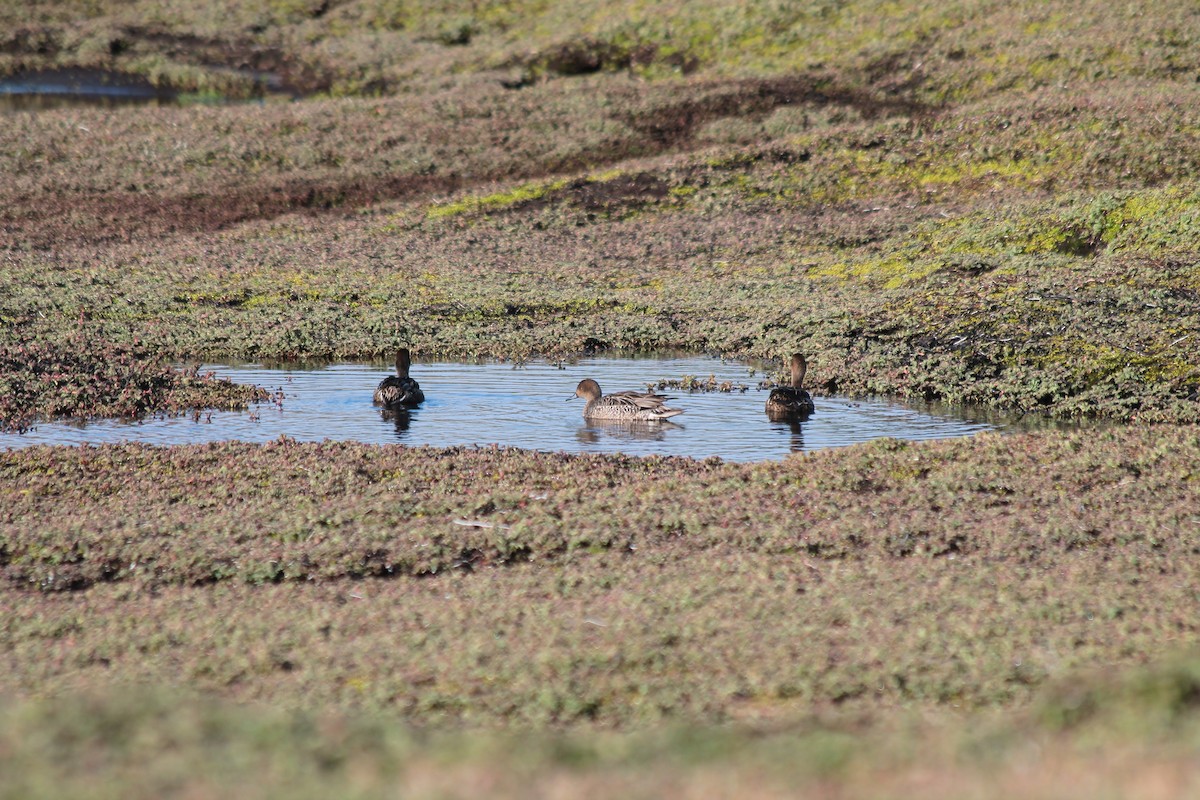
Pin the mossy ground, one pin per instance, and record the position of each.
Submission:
(952, 594)
(979, 253)
(984, 203)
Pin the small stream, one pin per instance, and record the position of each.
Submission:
(526, 406)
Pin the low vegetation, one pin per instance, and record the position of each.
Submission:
(80, 378)
(820, 602)
(983, 203)
(1135, 738)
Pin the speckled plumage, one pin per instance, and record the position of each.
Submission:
(629, 406)
(399, 390)
(791, 401)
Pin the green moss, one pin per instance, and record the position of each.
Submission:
(1006, 172)
(492, 202)
(889, 273)
(1150, 221)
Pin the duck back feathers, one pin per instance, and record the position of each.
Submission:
(399, 390)
(791, 401)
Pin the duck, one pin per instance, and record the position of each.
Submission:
(791, 401)
(628, 406)
(399, 390)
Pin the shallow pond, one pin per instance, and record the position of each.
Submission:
(62, 88)
(482, 404)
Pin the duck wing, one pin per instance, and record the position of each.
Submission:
(645, 400)
(790, 398)
(396, 391)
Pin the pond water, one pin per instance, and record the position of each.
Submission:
(526, 406)
(55, 88)
(59, 88)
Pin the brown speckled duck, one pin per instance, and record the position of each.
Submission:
(628, 406)
(791, 401)
(399, 390)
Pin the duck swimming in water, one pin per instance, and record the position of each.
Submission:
(791, 401)
(399, 390)
(629, 406)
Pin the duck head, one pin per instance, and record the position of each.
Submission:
(588, 389)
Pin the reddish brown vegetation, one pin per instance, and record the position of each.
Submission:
(82, 378)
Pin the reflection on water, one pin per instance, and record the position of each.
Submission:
(482, 404)
(56, 88)
(598, 431)
(45, 89)
(401, 418)
(794, 429)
